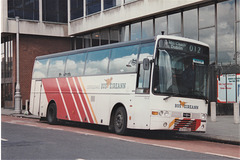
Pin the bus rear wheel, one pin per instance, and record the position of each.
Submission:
(120, 121)
(52, 114)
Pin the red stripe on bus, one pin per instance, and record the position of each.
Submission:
(53, 93)
(68, 99)
(84, 100)
(77, 99)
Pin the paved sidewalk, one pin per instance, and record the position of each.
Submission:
(223, 130)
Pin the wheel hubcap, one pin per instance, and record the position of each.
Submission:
(119, 120)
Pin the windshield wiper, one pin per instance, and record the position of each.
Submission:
(172, 95)
(200, 95)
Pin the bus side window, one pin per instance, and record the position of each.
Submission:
(40, 68)
(56, 67)
(123, 59)
(97, 62)
(143, 82)
(75, 64)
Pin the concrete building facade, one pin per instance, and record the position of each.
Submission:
(58, 25)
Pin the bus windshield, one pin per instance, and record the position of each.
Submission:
(180, 73)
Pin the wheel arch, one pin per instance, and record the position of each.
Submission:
(114, 109)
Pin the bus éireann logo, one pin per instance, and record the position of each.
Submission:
(109, 81)
(110, 85)
(182, 104)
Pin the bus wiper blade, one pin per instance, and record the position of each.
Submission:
(174, 94)
(166, 98)
(200, 95)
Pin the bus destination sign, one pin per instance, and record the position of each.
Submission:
(181, 46)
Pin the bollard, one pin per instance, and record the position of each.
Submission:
(236, 112)
(213, 111)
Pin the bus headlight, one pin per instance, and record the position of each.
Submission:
(204, 116)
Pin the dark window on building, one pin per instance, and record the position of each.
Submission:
(24, 9)
(95, 39)
(76, 9)
(6, 70)
(93, 6)
(104, 37)
(55, 10)
(114, 35)
(111, 3)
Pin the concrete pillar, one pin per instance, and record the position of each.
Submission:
(236, 112)
(213, 111)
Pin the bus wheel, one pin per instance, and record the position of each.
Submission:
(52, 114)
(120, 121)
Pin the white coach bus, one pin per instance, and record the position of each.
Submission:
(157, 84)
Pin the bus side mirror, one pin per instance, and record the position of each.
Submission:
(146, 63)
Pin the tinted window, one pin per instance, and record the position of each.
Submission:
(123, 59)
(40, 68)
(75, 64)
(56, 67)
(24, 9)
(93, 6)
(55, 10)
(97, 62)
(76, 9)
(111, 3)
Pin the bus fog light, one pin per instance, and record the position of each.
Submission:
(204, 116)
(203, 126)
(165, 124)
(166, 113)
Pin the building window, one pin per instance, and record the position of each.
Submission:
(76, 9)
(147, 29)
(104, 37)
(160, 25)
(55, 11)
(95, 39)
(114, 35)
(174, 24)
(93, 6)
(225, 32)
(7, 57)
(207, 29)
(24, 9)
(190, 24)
(111, 3)
(6, 71)
(136, 31)
(125, 33)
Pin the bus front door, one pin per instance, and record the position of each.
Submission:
(36, 98)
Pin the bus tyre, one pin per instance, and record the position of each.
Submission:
(52, 114)
(120, 121)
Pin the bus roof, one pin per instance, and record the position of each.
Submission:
(119, 45)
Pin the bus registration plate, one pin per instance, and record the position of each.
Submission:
(185, 129)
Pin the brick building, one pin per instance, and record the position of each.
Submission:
(58, 25)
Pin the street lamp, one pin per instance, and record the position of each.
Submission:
(17, 92)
